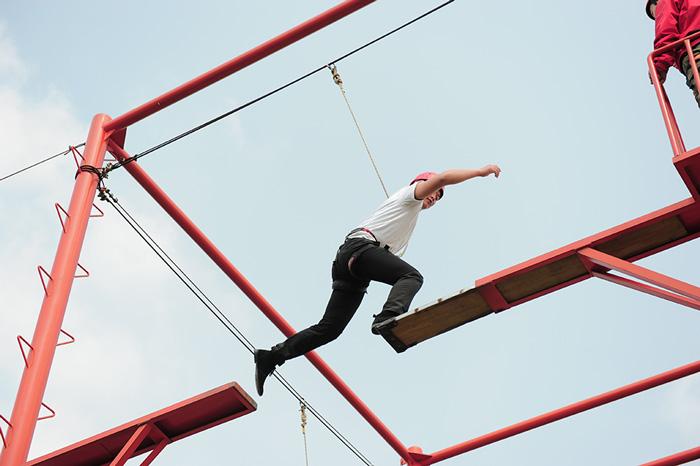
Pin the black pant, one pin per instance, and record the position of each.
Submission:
(369, 262)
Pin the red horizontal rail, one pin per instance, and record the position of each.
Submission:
(566, 411)
(679, 458)
(674, 45)
(641, 273)
(658, 292)
(669, 118)
(248, 58)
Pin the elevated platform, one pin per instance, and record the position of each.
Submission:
(154, 432)
(631, 241)
(688, 166)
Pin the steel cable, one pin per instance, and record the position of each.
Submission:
(40, 162)
(106, 195)
(275, 91)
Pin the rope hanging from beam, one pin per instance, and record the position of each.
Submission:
(339, 81)
(274, 91)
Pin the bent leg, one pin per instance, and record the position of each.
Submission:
(380, 265)
(342, 305)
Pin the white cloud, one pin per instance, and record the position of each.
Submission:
(10, 63)
(122, 315)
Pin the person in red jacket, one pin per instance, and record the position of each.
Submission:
(675, 19)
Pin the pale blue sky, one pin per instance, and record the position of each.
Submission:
(555, 92)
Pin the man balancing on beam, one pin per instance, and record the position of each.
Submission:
(371, 252)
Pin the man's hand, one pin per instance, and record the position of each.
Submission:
(490, 170)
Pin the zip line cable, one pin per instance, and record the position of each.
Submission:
(339, 81)
(40, 162)
(106, 195)
(275, 91)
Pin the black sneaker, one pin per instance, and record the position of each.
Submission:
(382, 324)
(264, 366)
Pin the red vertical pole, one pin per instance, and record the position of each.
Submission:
(35, 377)
(674, 133)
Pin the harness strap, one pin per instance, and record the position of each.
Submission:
(366, 230)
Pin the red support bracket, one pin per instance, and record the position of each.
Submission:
(163, 442)
(72, 339)
(417, 457)
(100, 214)
(131, 445)
(76, 153)
(41, 276)
(652, 290)
(155, 452)
(2, 435)
(85, 273)
(21, 339)
(657, 284)
(493, 297)
(53, 413)
(59, 209)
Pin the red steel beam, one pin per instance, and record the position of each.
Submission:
(679, 458)
(254, 295)
(48, 328)
(248, 58)
(130, 447)
(637, 271)
(565, 412)
(658, 292)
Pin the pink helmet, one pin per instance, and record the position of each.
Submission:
(425, 176)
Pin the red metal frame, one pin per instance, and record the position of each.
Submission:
(34, 378)
(153, 432)
(46, 336)
(267, 309)
(566, 411)
(680, 292)
(679, 458)
(273, 45)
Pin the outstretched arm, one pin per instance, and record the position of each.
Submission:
(453, 176)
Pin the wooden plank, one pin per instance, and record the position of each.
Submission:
(641, 240)
(545, 274)
(522, 285)
(436, 318)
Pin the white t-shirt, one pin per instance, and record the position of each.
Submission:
(393, 221)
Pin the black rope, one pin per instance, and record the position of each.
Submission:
(275, 91)
(40, 162)
(106, 195)
(101, 174)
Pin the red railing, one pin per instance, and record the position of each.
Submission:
(674, 132)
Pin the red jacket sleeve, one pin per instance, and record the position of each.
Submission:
(667, 31)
